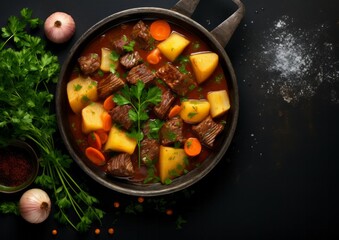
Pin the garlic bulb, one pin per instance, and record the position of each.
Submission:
(59, 27)
(35, 205)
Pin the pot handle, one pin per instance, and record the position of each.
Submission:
(225, 30)
(185, 7)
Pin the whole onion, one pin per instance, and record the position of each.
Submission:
(59, 27)
(35, 205)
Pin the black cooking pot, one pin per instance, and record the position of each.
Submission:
(179, 15)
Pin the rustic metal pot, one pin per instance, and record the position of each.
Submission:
(180, 15)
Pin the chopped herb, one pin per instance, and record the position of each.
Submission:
(167, 181)
(114, 56)
(129, 47)
(100, 73)
(191, 87)
(154, 127)
(77, 87)
(218, 78)
(192, 114)
(196, 45)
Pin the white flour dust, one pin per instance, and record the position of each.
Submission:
(297, 60)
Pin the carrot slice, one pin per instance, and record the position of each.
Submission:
(160, 30)
(95, 156)
(174, 111)
(107, 121)
(103, 135)
(94, 140)
(154, 56)
(192, 147)
(109, 104)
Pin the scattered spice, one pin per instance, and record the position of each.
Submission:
(15, 167)
(110, 231)
(116, 204)
(54, 232)
(169, 212)
(97, 231)
(141, 199)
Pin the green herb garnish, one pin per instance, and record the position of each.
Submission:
(140, 98)
(26, 68)
(129, 47)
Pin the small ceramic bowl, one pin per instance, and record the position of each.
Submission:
(19, 166)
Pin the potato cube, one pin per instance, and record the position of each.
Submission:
(107, 62)
(92, 117)
(173, 46)
(172, 162)
(119, 141)
(194, 110)
(81, 92)
(219, 101)
(204, 65)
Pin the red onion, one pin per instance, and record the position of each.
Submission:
(35, 205)
(59, 27)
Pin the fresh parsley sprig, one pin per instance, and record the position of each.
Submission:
(140, 98)
(26, 68)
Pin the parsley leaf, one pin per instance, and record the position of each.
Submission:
(140, 98)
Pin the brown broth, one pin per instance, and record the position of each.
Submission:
(217, 81)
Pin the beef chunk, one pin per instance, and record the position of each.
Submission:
(207, 131)
(141, 34)
(149, 150)
(130, 60)
(120, 165)
(178, 82)
(119, 44)
(167, 99)
(89, 63)
(119, 115)
(140, 72)
(109, 85)
(172, 131)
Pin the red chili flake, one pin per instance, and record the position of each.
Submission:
(15, 167)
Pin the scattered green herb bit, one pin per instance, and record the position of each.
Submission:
(168, 181)
(85, 98)
(192, 114)
(77, 87)
(180, 221)
(191, 87)
(183, 60)
(151, 174)
(100, 73)
(218, 78)
(113, 68)
(196, 45)
(129, 47)
(124, 37)
(140, 98)
(10, 207)
(182, 68)
(134, 208)
(26, 68)
(114, 56)
(154, 127)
